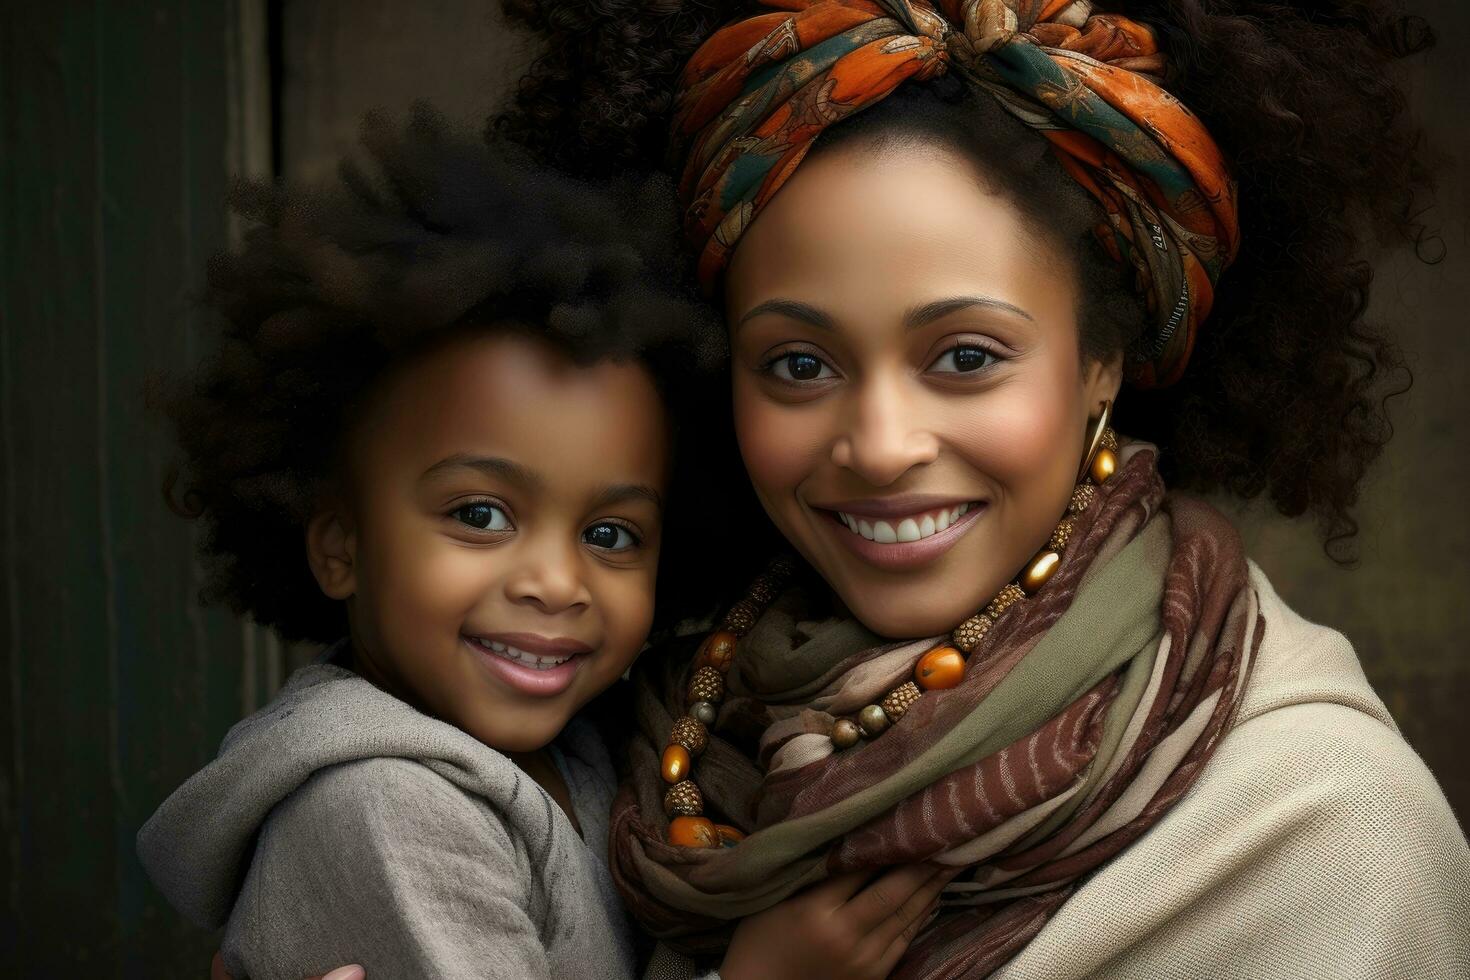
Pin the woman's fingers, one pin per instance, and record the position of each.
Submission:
(910, 917)
(886, 896)
(888, 959)
(836, 890)
(217, 971)
(353, 972)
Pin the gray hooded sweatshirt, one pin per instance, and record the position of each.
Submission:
(340, 825)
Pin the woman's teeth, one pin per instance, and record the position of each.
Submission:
(914, 528)
(538, 662)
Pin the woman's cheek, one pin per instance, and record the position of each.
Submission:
(777, 443)
(1016, 439)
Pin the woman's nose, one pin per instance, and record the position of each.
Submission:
(883, 435)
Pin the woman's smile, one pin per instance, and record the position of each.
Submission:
(900, 533)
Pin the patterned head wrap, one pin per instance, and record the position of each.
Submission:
(758, 93)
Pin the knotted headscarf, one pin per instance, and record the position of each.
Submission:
(760, 91)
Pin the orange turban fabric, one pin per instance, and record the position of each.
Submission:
(758, 93)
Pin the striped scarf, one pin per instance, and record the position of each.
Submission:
(1083, 716)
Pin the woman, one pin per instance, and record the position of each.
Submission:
(948, 238)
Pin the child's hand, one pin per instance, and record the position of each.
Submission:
(837, 929)
(217, 971)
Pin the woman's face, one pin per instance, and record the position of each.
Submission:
(909, 395)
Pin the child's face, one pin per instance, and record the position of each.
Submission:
(499, 545)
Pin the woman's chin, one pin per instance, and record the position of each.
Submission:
(906, 612)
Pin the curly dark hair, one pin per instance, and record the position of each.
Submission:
(441, 232)
(1287, 389)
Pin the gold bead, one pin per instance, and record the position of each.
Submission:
(968, 634)
(717, 651)
(845, 733)
(1039, 572)
(1062, 534)
(693, 832)
(872, 721)
(940, 669)
(1104, 465)
(707, 684)
(899, 700)
(1008, 597)
(729, 836)
(740, 618)
(690, 734)
(763, 589)
(683, 800)
(1081, 498)
(676, 764)
(703, 712)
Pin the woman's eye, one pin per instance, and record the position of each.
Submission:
(963, 359)
(800, 366)
(483, 517)
(609, 537)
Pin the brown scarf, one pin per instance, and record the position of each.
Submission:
(1084, 715)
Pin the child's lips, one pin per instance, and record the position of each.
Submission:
(535, 674)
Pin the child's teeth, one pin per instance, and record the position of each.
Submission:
(914, 528)
(521, 656)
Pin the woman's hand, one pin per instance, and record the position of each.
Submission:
(838, 929)
(217, 971)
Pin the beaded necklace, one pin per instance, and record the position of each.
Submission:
(939, 669)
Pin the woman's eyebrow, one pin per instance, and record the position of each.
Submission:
(790, 308)
(498, 466)
(920, 316)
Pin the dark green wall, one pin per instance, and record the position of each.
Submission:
(115, 686)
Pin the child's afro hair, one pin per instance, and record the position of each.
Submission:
(439, 231)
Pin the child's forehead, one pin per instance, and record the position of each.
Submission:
(509, 394)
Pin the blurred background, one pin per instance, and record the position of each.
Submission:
(121, 127)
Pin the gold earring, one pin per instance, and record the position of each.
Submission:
(1100, 460)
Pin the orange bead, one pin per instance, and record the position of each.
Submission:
(729, 836)
(717, 651)
(693, 832)
(676, 764)
(940, 669)
(1104, 464)
(1039, 572)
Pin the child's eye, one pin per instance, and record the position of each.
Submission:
(963, 359)
(799, 366)
(610, 537)
(483, 516)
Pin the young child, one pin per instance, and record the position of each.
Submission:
(437, 433)
(438, 436)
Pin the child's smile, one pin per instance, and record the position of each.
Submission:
(498, 538)
(539, 666)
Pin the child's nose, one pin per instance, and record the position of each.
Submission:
(550, 581)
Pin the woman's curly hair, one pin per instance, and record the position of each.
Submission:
(441, 232)
(1287, 388)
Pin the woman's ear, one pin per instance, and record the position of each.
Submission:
(1101, 381)
(331, 550)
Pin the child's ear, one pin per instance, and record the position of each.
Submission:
(331, 550)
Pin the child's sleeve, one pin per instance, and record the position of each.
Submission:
(383, 862)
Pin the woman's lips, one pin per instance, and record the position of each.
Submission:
(535, 667)
(898, 542)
